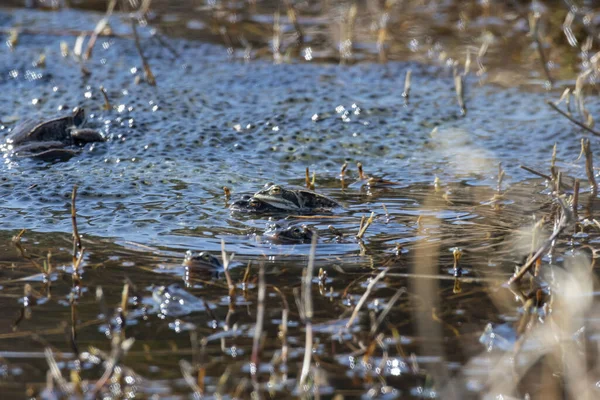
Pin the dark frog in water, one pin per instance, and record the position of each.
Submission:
(202, 265)
(51, 139)
(298, 200)
(289, 233)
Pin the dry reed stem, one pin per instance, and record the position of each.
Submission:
(76, 237)
(226, 262)
(565, 220)
(55, 372)
(575, 198)
(99, 28)
(407, 79)
(460, 95)
(534, 19)
(308, 312)
(258, 329)
(277, 58)
(589, 166)
(187, 371)
(147, 71)
(291, 12)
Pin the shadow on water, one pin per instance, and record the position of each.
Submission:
(418, 306)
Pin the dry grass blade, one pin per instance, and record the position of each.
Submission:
(364, 297)
(308, 312)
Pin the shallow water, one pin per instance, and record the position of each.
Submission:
(154, 190)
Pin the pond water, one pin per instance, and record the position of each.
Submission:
(217, 118)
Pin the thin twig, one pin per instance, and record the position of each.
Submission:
(573, 120)
(365, 295)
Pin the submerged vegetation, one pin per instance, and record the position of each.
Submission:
(431, 235)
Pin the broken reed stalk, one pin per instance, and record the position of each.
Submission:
(226, 262)
(308, 312)
(534, 25)
(362, 300)
(553, 169)
(258, 329)
(564, 221)
(307, 178)
(589, 165)
(501, 174)
(106, 105)
(361, 174)
(573, 120)
(460, 95)
(365, 226)
(147, 71)
(227, 193)
(76, 238)
(406, 92)
(99, 28)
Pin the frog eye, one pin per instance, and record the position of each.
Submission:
(275, 190)
(253, 203)
(297, 231)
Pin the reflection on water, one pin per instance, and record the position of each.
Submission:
(439, 323)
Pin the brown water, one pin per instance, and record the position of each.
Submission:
(222, 113)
